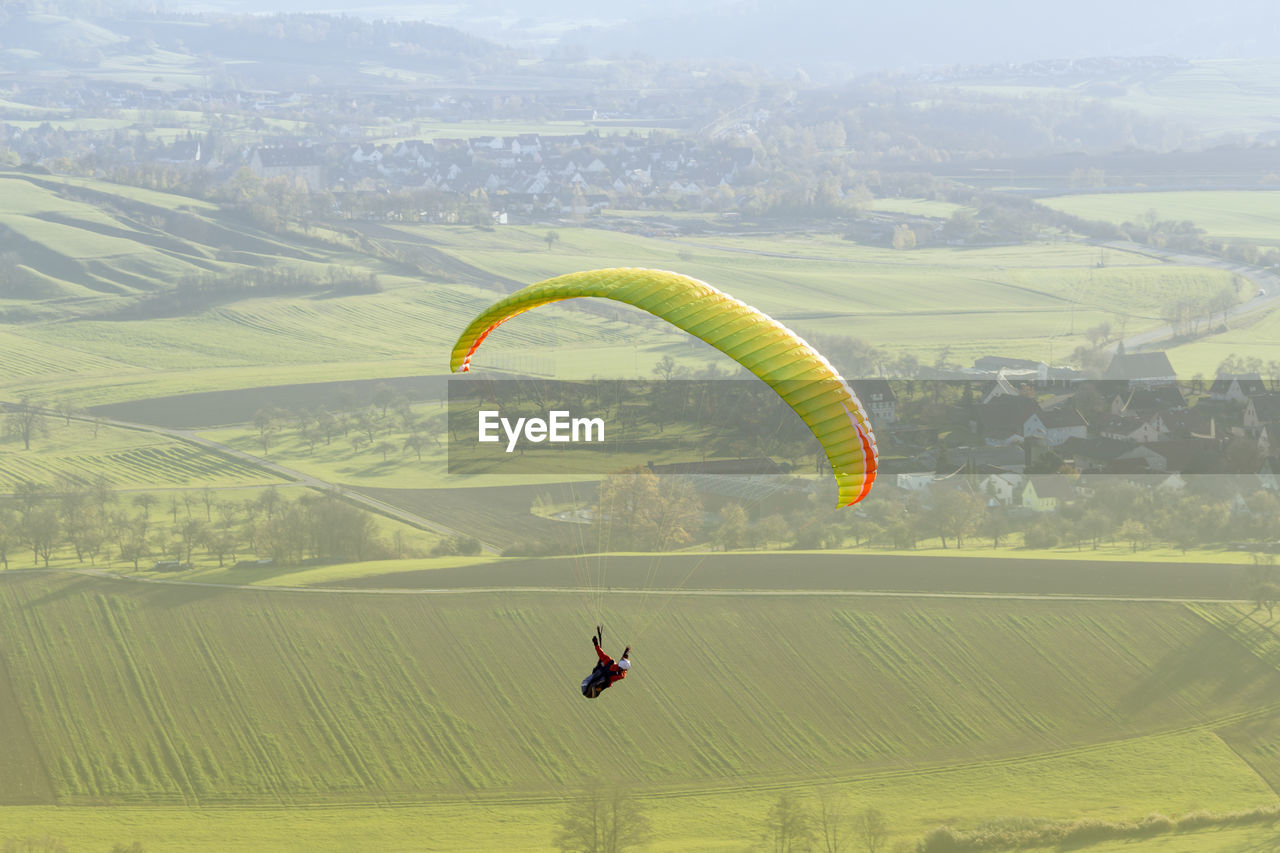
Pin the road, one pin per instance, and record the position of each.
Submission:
(104, 574)
(1266, 292)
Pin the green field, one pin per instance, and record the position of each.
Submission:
(403, 704)
(125, 458)
(936, 711)
(1240, 216)
(1031, 301)
(1253, 337)
(1219, 97)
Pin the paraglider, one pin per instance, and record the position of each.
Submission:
(607, 671)
(799, 374)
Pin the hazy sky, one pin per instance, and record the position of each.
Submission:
(859, 35)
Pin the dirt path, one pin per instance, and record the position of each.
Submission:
(104, 574)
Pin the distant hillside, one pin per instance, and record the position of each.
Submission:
(70, 246)
(280, 50)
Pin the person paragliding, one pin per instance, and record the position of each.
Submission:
(607, 670)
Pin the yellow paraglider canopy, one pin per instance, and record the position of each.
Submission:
(800, 374)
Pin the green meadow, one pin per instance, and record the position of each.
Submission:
(82, 452)
(96, 251)
(351, 715)
(1220, 97)
(346, 706)
(1252, 216)
(1026, 300)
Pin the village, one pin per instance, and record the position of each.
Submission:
(1022, 436)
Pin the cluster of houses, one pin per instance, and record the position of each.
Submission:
(526, 173)
(1023, 440)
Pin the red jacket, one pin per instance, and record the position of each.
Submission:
(616, 673)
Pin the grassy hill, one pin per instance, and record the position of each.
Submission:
(1249, 216)
(136, 693)
(115, 293)
(94, 307)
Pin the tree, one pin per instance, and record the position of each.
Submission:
(131, 538)
(648, 512)
(733, 525)
(787, 827)
(872, 829)
(1267, 595)
(383, 396)
(832, 821)
(25, 421)
(665, 368)
(602, 821)
(221, 543)
(146, 501)
(43, 532)
(66, 408)
(995, 525)
(904, 237)
(1134, 532)
(8, 535)
(955, 514)
(415, 442)
(265, 421)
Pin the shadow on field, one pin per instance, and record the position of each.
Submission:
(1212, 662)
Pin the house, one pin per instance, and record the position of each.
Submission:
(878, 398)
(1236, 387)
(1185, 455)
(1147, 399)
(1001, 487)
(1141, 368)
(1001, 421)
(1269, 476)
(916, 481)
(1093, 454)
(1054, 426)
(294, 163)
(1023, 367)
(998, 387)
(1133, 428)
(366, 152)
(1046, 492)
(184, 152)
(1262, 409)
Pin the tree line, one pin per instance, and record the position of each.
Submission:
(97, 523)
(608, 818)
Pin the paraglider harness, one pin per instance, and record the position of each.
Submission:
(599, 679)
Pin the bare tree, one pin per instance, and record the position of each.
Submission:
(606, 820)
(872, 829)
(787, 827)
(25, 421)
(66, 408)
(832, 821)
